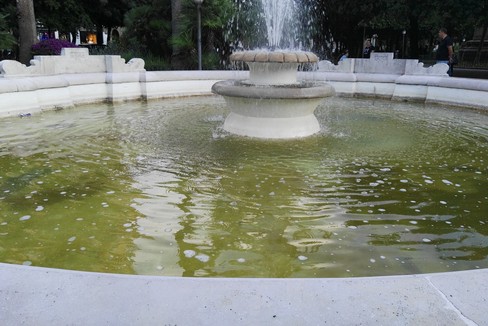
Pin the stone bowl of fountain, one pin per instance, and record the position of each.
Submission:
(272, 103)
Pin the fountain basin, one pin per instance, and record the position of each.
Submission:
(70, 294)
(279, 112)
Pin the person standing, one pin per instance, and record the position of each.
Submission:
(367, 49)
(445, 51)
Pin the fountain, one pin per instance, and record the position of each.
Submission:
(272, 103)
(391, 188)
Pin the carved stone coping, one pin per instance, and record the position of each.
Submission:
(275, 56)
(303, 91)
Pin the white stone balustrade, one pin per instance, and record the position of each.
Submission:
(57, 82)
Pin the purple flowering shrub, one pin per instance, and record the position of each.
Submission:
(51, 47)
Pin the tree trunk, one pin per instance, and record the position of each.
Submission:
(99, 35)
(27, 29)
(482, 42)
(177, 57)
(109, 35)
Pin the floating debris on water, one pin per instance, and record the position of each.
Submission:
(25, 218)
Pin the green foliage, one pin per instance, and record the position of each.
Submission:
(152, 62)
(155, 63)
(348, 20)
(246, 28)
(148, 27)
(6, 38)
(66, 15)
(228, 25)
(215, 15)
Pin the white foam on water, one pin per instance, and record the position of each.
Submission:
(189, 253)
(302, 258)
(25, 218)
(203, 258)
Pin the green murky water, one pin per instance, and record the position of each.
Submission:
(386, 188)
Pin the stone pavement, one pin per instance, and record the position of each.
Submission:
(41, 296)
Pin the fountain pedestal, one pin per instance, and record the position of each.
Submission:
(272, 103)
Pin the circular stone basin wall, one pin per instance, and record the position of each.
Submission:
(277, 112)
(158, 188)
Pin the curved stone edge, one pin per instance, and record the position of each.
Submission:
(43, 296)
(278, 128)
(230, 88)
(274, 56)
(34, 94)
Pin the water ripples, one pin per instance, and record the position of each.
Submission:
(385, 188)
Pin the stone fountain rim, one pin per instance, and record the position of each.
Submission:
(233, 88)
(276, 56)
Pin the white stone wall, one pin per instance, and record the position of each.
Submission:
(384, 63)
(71, 61)
(61, 81)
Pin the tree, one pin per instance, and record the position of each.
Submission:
(148, 28)
(6, 38)
(177, 57)
(216, 15)
(27, 29)
(106, 13)
(167, 29)
(66, 16)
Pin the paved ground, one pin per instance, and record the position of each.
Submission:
(38, 296)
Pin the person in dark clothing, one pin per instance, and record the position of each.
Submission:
(367, 49)
(445, 51)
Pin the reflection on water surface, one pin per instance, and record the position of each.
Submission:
(158, 188)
